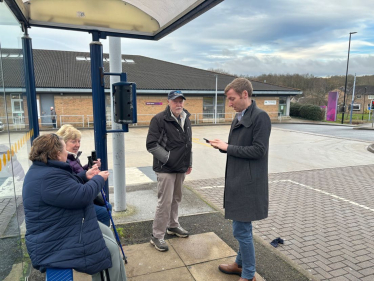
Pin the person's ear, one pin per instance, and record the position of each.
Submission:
(245, 94)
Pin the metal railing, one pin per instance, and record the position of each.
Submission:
(46, 120)
(21, 122)
(15, 122)
(72, 119)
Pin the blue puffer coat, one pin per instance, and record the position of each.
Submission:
(61, 225)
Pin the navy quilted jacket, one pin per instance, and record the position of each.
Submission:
(61, 225)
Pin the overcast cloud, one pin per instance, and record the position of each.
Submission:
(255, 37)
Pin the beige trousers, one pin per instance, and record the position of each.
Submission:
(169, 187)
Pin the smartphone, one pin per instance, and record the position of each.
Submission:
(93, 155)
(90, 162)
(206, 140)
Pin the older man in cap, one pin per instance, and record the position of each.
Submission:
(169, 140)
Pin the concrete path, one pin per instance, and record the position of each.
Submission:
(193, 259)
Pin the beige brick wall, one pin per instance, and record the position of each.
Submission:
(82, 105)
(73, 105)
(272, 110)
(146, 112)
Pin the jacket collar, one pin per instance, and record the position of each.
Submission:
(168, 117)
(55, 164)
(246, 120)
(74, 156)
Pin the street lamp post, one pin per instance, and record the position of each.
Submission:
(215, 101)
(346, 75)
(363, 106)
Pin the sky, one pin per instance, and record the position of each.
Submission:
(254, 37)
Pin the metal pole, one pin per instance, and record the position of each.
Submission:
(353, 98)
(215, 103)
(346, 75)
(98, 102)
(30, 86)
(363, 107)
(118, 139)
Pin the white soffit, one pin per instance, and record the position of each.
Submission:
(134, 17)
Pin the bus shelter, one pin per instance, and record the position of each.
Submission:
(137, 19)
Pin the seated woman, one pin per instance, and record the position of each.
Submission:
(61, 226)
(72, 138)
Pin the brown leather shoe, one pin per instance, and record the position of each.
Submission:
(243, 279)
(232, 268)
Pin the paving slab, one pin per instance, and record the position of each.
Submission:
(209, 271)
(145, 259)
(201, 248)
(180, 274)
(142, 202)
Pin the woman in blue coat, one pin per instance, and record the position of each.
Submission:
(62, 230)
(72, 138)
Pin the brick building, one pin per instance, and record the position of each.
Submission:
(63, 80)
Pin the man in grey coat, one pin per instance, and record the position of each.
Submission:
(246, 196)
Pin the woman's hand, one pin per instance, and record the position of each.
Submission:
(104, 174)
(98, 162)
(92, 172)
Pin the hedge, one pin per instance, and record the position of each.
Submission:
(307, 111)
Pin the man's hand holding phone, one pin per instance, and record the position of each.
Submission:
(219, 144)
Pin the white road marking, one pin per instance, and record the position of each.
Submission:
(326, 193)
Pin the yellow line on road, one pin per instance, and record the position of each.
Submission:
(202, 142)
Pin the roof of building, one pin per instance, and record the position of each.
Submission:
(65, 69)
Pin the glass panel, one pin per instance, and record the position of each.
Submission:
(14, 147)
(282, 100)
(208, 107)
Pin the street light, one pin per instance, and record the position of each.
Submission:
(363, 106)
(346, 74)
(215, 101)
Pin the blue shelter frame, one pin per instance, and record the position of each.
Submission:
(97, 70)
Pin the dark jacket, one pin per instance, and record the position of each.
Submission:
(169, 144)
(61, 225)
(246, 196)
(75, 163)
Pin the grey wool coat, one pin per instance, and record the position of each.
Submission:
(246, 196)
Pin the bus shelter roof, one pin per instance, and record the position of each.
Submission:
(142, 19)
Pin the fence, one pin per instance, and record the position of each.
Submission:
(19, 123)
(46, 121)
(16, 123)
(72, 119)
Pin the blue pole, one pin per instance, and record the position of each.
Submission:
(98, 102)
(30, 85)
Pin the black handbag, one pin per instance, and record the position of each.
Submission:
(99, 200)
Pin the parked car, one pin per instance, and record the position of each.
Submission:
(1, 127)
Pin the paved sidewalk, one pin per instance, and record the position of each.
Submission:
(7, 210)
(326, 218)
(193, 259)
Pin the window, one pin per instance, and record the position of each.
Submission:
(17, 109)
(356, 107)
(208, 107)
